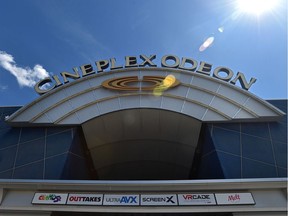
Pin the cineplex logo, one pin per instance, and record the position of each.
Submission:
(187, 199)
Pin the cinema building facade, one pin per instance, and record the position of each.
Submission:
(112, 139)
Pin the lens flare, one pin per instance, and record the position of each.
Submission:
(207, 43)
(221, 29)
(167, 82)
(157, 92)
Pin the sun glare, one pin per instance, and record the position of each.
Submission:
(256, 7)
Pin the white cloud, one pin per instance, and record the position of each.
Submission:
(25, 76)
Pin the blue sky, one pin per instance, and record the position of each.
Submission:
(40, 38)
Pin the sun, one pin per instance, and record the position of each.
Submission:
(256, 7)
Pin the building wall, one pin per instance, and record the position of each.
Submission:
(245, 150)
(230, 150)
(41, 153)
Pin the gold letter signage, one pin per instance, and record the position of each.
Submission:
(167, 61)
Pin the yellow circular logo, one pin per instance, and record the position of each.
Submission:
(131, 83)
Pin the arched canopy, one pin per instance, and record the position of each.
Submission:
(142, 144)
(200, 96)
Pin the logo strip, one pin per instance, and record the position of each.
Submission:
(183, 199)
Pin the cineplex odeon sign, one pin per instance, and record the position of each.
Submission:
(183, 199)
(167, 61)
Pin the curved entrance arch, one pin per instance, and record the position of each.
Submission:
(142, 144)
(199, 96)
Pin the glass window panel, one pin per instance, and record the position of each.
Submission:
(226, 140)
(281, 104)
(30, 151)
(254, 169)
(282, 172)
(229, 126)
(207, 145)
(210, 167)
(76, 168)
(78, 142)
(231, 165)
(280, 150)
(31, 171)
(3, 124)
(7, 158)
(29, 134)
(54, 166)
(257, 149)
(9, 137)
(256, 129)
(58, 143)
(6, 175)
(54, 130)
(278, 131)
